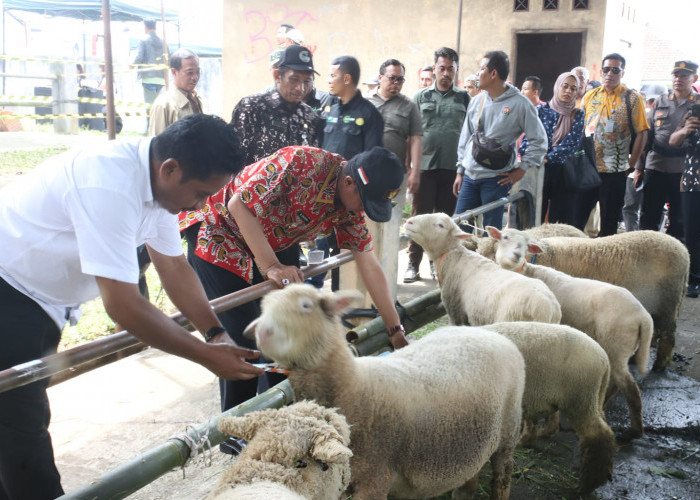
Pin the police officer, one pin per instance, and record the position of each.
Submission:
(353, 124)
(664, 164)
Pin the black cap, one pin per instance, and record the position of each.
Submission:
(378, 174)
(687, 67)
(297, 57)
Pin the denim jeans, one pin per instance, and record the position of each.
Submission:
(475, 193)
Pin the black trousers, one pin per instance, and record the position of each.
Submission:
(690, 202)
(556, 196)
(434, 195)
(661, 188)
(217, 281)
(27, 468)
(611, 195)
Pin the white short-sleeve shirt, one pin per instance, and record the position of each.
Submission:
(79, 215)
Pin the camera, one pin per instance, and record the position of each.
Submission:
(695, 110)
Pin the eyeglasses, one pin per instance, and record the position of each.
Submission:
(395, 79)
(607, 69)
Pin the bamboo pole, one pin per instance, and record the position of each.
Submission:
(146, 468)
(69, 360)
(109, 71)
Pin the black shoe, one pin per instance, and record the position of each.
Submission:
(693, 290)
(232, 446)
(411, 273)
(433, 272)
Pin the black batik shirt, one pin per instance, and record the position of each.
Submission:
(266, 123)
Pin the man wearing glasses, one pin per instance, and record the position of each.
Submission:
(615, 117)
(402, 136)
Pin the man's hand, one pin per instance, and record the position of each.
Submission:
(283, 275)
(413, 181)
(457, 186)
(510, 178)
(227, 360)
(398, 340)
(638, 177)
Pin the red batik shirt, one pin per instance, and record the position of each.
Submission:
(292, 193)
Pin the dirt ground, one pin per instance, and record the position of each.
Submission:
(110, 416)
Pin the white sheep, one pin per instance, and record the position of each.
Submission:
(297, 452)
(487, 246)
(653, 266)
(475, 290)
(609, 314)
(425, 418)
(566, 371)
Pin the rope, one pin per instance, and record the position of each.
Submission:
(198, 445)
(468, 224)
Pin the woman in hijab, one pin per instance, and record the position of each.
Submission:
(563, 122)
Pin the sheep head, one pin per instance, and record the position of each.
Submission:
(293, 434)
(512, 247)
(437, 233)
(303, 446)
(299, 325)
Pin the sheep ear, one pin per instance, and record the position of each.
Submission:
(243, 427)
(493, 232)
(329, 449)
(335, 303)
(249, 331)
(534, 248)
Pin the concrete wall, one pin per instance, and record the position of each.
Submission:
(409, 30)
(624, 34)
(370, 31)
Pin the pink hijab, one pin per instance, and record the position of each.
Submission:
(565, 109)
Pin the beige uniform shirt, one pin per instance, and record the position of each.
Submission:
(169, 107)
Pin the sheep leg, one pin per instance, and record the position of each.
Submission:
(597, 443)
(467, 490)
(529, 436)
(502, 470)
(551, 425)
(667, 341)
(629, 388)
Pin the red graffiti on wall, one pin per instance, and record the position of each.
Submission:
(262, 28)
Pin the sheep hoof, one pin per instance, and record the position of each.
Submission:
(629, 435)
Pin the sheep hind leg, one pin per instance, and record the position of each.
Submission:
(664, 351)
(629, 388)
(502, 470)
(551, 425)
(597, 443)
(529, 435)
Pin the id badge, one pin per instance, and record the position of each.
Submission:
(609, 126)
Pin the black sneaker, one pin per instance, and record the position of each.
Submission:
(693, 290)
(232, 446)
(411, 273)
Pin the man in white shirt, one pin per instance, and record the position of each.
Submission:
(69, 234)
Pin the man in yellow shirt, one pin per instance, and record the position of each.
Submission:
(615, 117)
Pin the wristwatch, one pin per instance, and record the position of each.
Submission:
(395, 329)
(213, 332)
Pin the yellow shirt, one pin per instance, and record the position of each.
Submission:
(608, 121)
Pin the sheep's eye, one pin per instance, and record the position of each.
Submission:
(300, 464)
(306, 304)
(324, 466)
(441, 225)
